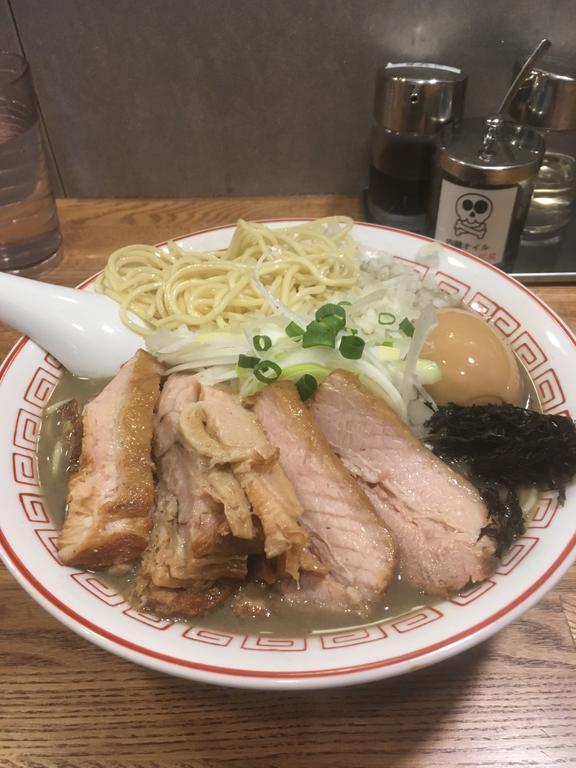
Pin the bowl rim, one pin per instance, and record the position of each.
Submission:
(273, 679)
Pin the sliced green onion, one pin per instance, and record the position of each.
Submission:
(262, 343)
(352, 347)
(306, 386)
(247, 361)
(386, 354)
(318, 335)
(267, 371)
(428, 372)
(332, 315)
(344, 303)
(386, 318)
(333, 322)
(330, 309)
(386, 343)
(406, 327)
(293, 330)
(295, 372)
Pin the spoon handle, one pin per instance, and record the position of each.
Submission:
(536, 54)
(30, 306)
(81, 329)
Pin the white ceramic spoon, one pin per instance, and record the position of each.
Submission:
(81, 329)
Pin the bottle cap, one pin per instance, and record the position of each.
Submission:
(490, 151)
(547, 99)
(418, 98)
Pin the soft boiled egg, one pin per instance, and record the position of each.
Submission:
(477, 366)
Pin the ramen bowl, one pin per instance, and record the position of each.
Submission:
(90, 606)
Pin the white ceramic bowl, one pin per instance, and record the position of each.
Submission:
(87, 605)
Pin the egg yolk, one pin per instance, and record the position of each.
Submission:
(477, 366)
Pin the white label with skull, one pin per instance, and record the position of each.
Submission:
(476, 220)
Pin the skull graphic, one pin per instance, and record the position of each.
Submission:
(472, 213)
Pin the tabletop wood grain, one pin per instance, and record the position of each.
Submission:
(65, 703)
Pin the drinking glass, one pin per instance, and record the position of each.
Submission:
(29, 229)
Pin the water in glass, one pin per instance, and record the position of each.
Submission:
(29, 230)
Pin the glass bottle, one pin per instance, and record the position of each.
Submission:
(483, 181)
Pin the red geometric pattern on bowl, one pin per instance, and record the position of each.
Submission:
(417, 619)
(208, 636)
(348, 638)
(26, 430)
(275, 644)
(24, 469)
(451, 285)
(483, 305)
(53, 363)
(473, 593)
(422, 269)
(99, 589)
(150, 621)
(42, 383)
(563, 412)
(40, 387)
(516, 554)
(529, 351)
(549, 390)
(548, 505)
(33, 506)
(49, 540)
(506, 323)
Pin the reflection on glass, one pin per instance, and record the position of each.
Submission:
(552, 202)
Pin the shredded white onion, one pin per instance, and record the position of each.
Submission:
(401, 293)
(424, 324)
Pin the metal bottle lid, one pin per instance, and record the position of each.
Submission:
(418, 98)
(548, 98)
(490, 151)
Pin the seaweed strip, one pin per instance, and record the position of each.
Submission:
(505, 447)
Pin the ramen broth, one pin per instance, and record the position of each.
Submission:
(284, 618)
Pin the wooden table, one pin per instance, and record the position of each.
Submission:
(65, 703)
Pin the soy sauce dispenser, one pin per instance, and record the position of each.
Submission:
(412, 102)
(483, 181)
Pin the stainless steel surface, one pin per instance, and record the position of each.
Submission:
(535, 278)
(418, 98)
(547, 100)
(188, 97)
(531, 61)
(515, 153)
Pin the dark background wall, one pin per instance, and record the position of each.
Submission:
(224, 97)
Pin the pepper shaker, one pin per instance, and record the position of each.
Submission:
(412, 102)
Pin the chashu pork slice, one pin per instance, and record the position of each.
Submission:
(111, 494)
(194, 560)
(345, 532)
(220, 428)
(436, 515)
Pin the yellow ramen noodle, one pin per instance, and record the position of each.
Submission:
(169, 287)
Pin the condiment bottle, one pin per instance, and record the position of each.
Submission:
(547, 101)
(483, 182)
(412, 102)
(485, 174)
